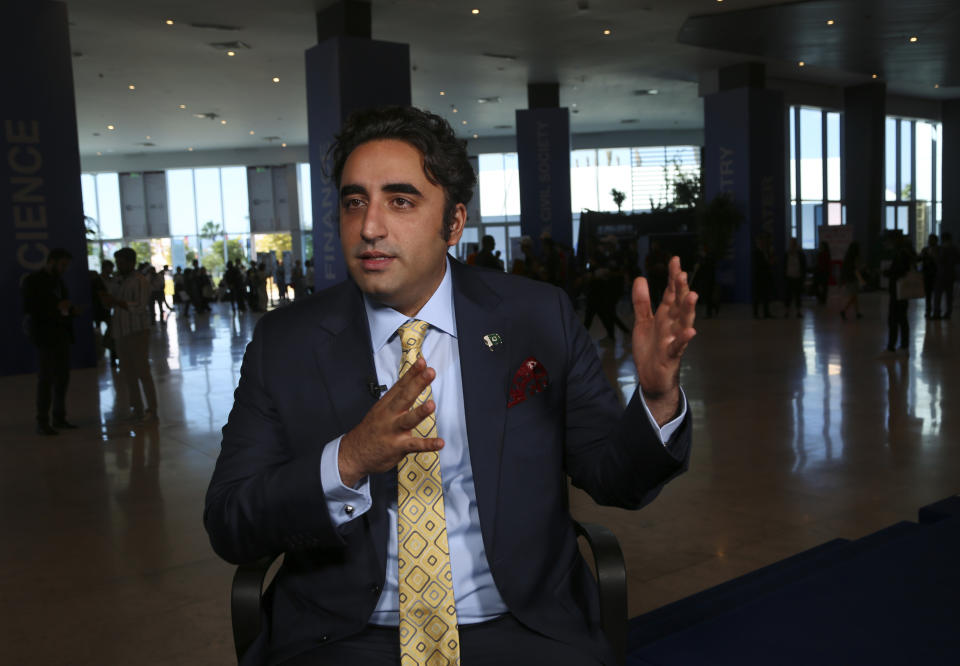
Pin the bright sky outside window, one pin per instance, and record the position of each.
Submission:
(108, 203)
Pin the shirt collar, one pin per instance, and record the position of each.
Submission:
(438, 312)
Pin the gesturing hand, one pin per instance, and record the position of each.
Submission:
(384, 436)
(660, 339)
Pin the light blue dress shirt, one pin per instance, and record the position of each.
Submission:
(475, 592)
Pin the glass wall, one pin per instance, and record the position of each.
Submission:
(101, 204)
(913, 178)
(209, 216)
(816, 196)
(644, 174)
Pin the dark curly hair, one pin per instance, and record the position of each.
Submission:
(445, 160)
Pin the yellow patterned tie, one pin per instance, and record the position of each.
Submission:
(428, 613)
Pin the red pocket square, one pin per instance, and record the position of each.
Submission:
(530, 379)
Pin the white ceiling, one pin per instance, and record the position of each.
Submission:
(122, 43)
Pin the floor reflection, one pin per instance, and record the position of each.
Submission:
(803, 432)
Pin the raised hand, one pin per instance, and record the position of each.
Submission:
(384, 436)
(660, 339)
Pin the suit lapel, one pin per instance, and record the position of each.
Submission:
(485, 377)
(345, 361)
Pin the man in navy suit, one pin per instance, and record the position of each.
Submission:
(320, 422)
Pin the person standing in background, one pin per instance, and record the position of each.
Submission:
(852, 280)
(296, 277)
(280, 277)
(157, 301)
(947, 260)
(821, 274)
(308, 277)
(928, 261)
(130, 298)
(235, 283)
(795, 268)
(48, 321)
(903, 260)
(487, 258)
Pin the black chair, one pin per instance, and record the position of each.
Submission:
(248, 590)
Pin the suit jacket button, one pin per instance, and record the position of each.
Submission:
(323, 638)
(348, 509)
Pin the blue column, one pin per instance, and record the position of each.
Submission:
(864, 131)
(345, 72)
(745, 156)
(543, 161)
(40, 202)
(951, 169)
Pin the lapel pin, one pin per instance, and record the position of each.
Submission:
(492, 340)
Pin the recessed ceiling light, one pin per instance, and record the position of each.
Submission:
(607, 31)
(231, 53)
(801, 64)
(132, 87)
(169, 21)
(252, 132)
(830, 21)
(190, 149)
(223, 122)
(111, 127)
(653, 91)
(476, 136)
(182, 106)
(474, 11)
(914, 39)
(442, 93)
(276, 79)
(99, 153)
(454, 109)
(147, 137)
(283, 145)
(873, 76)
(936, 85)
(463, 122)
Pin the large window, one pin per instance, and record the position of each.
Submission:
(913, 178)
(101, 203)
(644, 174)
(209, 215)
(499, 185)
(816, 197)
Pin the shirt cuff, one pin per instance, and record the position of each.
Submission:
(343, 503)
(666, 432)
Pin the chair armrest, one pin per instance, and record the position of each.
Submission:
(612, 581)
(245, 594)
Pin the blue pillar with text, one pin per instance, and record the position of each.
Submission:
(40, 202)
(745, 157)
(543, 160)
(344, 74)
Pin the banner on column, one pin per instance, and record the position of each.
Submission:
(744, 158)
(40, 201)
(344, 74)
(543, 160)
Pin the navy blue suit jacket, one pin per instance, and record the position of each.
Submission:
(305, 381)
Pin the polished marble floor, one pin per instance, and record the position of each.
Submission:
(803, 432)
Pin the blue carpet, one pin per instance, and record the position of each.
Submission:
(890, 598)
